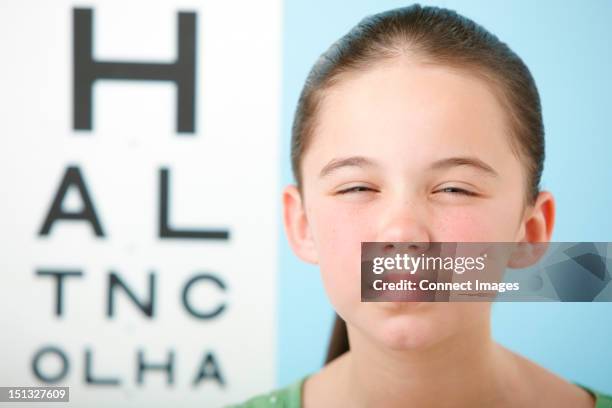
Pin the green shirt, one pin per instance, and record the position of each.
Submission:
(291, 397)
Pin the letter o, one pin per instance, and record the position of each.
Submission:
(40, 354)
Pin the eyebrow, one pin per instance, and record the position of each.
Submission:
(353, 161)
(464, 161)
(360, 161)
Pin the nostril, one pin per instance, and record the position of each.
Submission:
(411, 248)
(415, 248)
(423, 246)
(388, 248)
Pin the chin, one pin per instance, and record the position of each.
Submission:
(407, 331)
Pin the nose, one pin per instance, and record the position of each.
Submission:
(404, 227)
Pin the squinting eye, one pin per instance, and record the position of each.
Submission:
(456, 190)
(355, 189)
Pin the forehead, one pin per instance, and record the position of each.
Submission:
(401, 107)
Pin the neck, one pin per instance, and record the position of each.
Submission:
(464, 370)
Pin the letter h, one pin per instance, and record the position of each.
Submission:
(87, 70)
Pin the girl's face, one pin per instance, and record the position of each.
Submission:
(405, 152)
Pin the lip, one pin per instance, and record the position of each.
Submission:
(415, 295)
(397, 277)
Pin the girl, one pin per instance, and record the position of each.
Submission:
(417, 126)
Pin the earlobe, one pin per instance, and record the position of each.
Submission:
(526, 254)
(537, 230)
(296, 225)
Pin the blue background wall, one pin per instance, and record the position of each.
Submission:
(566, 47)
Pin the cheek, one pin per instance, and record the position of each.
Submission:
(494, 222)
(338, 236)
(338, 231)
(460, 225)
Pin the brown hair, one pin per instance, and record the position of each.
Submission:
(434, 36)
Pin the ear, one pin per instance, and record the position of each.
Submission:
(535, 232)
(297, 227)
